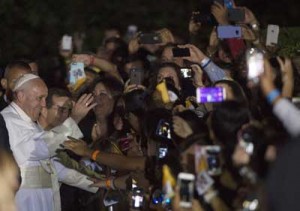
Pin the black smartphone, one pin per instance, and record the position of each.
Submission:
(181, 52)
(150, 38)
(136, 76)
(236, 15)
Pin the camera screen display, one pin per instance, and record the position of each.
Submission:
(186, 72)
(210, 95)
(255, 65)
(162, 152)
(163, 129)
(137, 198)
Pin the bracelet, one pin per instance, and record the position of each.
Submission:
(92, 59)
(271, 96)
(95, 155)
(108, 183)
(205, 62)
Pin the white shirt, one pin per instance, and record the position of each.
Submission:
(32, 146)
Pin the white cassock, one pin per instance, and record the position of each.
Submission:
(33, 148)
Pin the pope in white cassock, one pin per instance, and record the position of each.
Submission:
(33, 148)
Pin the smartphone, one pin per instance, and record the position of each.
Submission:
(136, 76)
(255, 64)
(236, 15)
(186, 72)
(213, 160)
(66, 43)
(150, 38)
(225, 32)
(181, 52)
(272, 35)
(163, 129)
(186, 184)
(137, 198)
(228, 4)
(76, 73)
(124, 143)
(162, 151)
(210, 95)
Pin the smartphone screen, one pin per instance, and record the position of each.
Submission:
(213, 160)
(225, 32)
(162, 152)
(186, 72)
(181, 52)
(164, 129)
(211, 95)
(255, 64)
(137, 198)
(150, 38)
(136, 76)
(186, 184)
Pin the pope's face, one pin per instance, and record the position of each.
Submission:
(34, 98)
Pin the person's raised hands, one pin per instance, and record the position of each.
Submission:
(196, 55)
(84, 58)
(198, 75)
(83, 105)
(220, 13)
(287, 76)
(267, 78)
(181, 127)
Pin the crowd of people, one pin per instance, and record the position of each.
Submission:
(152, 122)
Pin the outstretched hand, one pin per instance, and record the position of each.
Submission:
(79, 147)
(82, 107)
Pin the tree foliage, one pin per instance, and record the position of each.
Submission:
(34, 27)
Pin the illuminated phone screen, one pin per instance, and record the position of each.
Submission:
(211, 95)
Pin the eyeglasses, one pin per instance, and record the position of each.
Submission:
(62, 109)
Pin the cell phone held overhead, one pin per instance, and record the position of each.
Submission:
(255, 65)
(186, 184)
(272, 35)
(181, 52)
(210, 95)
(226, 32)
(150, 38)
(136, 76)
(77, 76)
(236, 15)
(66, 43)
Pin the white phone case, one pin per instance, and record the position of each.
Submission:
(272, 35)
(191, 178)
(66, 42)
